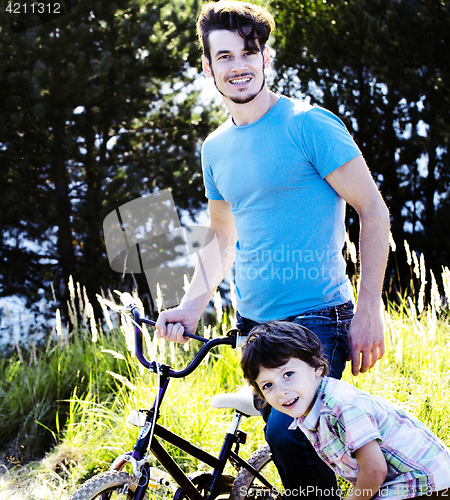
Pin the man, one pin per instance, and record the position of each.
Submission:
(278, 174)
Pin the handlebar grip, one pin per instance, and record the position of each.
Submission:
(196, 337)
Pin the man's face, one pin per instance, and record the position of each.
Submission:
(238, 72)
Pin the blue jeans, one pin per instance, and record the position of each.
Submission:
(302, 471)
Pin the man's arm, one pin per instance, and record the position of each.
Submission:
(372, 474)
(353, 182)
(216, 258)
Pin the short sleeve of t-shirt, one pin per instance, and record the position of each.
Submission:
(355, 427)
(327, 141)
(212, 193)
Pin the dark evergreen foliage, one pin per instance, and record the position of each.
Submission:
(382, 66)
(96, 109)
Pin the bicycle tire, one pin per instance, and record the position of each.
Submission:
(106, 482)
(246, 486)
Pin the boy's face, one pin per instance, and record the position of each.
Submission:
(291, 388)
(238, 73)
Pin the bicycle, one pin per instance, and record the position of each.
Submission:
(200, 485)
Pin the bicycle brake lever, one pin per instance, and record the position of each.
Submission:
(127, 300)
(111, 305)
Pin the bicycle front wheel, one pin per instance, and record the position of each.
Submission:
(246, 486)
(112, 485)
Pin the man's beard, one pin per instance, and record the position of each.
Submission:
(240, 100)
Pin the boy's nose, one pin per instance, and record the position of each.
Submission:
(282, 391)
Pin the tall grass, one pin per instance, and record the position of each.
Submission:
(37, 383)
(94, 430)
(95, 384)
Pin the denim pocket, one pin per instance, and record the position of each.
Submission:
(331, 326)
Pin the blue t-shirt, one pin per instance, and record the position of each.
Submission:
(290, 222)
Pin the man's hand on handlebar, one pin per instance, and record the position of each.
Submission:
(172, 324)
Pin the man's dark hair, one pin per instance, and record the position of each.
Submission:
(271, 345)
(252, 22)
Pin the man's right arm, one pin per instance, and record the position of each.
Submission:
(215, 260)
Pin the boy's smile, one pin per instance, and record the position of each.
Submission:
(290, 388)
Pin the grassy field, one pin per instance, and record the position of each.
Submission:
(75, 392)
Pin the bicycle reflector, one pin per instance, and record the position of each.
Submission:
(137, 418)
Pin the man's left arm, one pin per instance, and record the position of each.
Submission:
(354, 183)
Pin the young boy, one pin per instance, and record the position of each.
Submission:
(378, 447)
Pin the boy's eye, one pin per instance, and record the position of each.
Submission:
(266, 386)
(287, 374)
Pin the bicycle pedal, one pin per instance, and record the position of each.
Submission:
(137, 418)
(158, 478)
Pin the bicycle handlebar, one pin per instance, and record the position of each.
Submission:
(130, 304)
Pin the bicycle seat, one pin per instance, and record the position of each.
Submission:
(242, 400)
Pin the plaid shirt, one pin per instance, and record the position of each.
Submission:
(343, 419)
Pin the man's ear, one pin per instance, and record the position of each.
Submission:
(266, 57)
(206, 65)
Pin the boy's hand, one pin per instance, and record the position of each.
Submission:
(373, 471)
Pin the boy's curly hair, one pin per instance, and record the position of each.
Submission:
(271, 345)
(252, 22)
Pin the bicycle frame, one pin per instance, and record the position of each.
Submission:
(234, 436)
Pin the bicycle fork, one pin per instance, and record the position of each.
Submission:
(142, 472)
